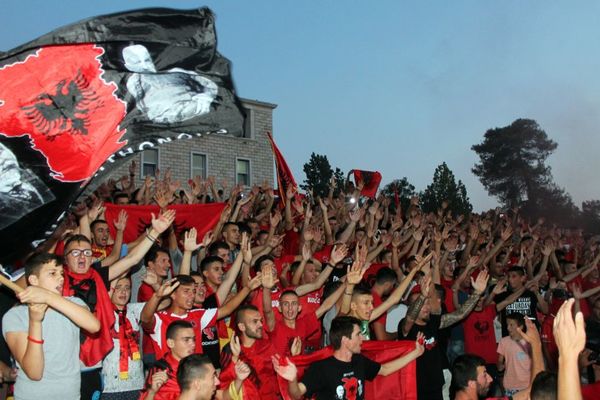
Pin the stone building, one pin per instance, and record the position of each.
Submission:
(247, 160)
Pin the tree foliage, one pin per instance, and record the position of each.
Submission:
(318, 173)
(404, 189)
(512, 161)
(445, 188)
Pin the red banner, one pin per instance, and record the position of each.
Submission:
(370, 181)
(401, 385)
(285, 178)
(203, 217)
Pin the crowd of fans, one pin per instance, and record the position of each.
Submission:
(487, 300)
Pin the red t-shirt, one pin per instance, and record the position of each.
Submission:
(371, 273)
(280, 261)
(258, 357)
(282, 336)
(291, 242)
(479, 334)
(323, 255)
(376, 303)
(199, 318)
(170, 389)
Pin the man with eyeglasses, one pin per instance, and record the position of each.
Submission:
(90, 282)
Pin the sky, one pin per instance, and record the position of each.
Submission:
(398, 86)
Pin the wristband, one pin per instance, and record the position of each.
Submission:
(150, 237)
(36, 341)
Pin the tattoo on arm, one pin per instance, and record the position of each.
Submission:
(415, 308)
(461, 312)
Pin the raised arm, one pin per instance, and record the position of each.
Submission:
(268, 282)
(147, 317)
(337, 254)
(464, 309)
(159, 225)
(229, 279)
(394, 365)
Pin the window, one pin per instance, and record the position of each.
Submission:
(242, 171)
(149, 162)
(198, 165)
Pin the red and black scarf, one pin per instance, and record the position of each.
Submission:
(90, 288)
(128, 345)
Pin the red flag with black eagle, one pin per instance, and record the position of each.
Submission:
(76, 102)
(401, 385)
(203, 217)
(370, 181)
(285, 178)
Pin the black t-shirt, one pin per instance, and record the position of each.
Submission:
(332, 379)
(430, 375)
(210, 335)
(526, 304)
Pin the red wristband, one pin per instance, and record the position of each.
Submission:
(32, 340)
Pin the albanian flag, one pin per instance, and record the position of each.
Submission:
(285, 178)
(369, 179)
(401, 385)
(75, 102)
(203, 217)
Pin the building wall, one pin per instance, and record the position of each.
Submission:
(221, 151)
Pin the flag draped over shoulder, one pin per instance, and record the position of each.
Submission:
(76, 101)
(369, 179)
(203, 217)
(285, 178)
(401, 385)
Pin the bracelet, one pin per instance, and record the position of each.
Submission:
(32, 340)
(153, 239)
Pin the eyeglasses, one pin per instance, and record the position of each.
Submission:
(76, 252)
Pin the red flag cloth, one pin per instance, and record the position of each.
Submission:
(285, 178)
(370, 181)
(203, 217)
(90, 285)
(401, 385)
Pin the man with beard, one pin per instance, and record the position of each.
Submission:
(341, 376)
(470, 379)
(256, 351)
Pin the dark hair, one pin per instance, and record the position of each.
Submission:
(196, 273)
(214, 248)
(517, 317)
(341, 327)
(518, 269)
(243, 308)
(120, 195)
(260, 260)
(77, 238)
(385, 275)
(175, 326)
(464, 369)
(544, 386)
(185, 280)
(360, 290)
(286, 292)
(244, 227)
(207, 261)
(190, 368)
(228, 224)
(96, 222)
(34, 264)
(152, 254)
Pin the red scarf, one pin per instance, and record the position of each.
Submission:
(90, 288)
(128, 346)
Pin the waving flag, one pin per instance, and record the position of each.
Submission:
(369, 179)
(285, 178)
(77, 101)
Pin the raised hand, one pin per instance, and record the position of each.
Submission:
(235, 347)
(306, 253)
(532, 336)
(355, 273)
(167, 288)
(500, 286)
(121, 221)
(150, 278)
(269, 280)
(275, 219)
(284, 368)
(242, 370)
(420, 343)
(569, 334)
(207, 239)
(189, 241)
(480, 284)
(132, 168)
(255, 282)
(296, 347)
(338, 253)
(163, 221)
(357, 214)
(158, 378)
(95, 210)
(246, 248)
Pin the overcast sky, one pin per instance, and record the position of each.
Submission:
(398, 86)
